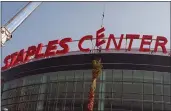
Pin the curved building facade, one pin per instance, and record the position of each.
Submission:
(129, 82)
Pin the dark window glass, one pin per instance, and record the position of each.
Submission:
(158, 77)
(148, 97)
(127, 75)
(148, 76)
(167, 90)
(138, 75)
(117, 75)
(157, 89)
(148, 88)
(157, 106)
(167, 77)
(157, 98)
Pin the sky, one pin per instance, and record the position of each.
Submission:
(56, 20)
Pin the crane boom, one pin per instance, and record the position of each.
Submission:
(16, 21)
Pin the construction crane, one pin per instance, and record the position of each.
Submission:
(16, 21)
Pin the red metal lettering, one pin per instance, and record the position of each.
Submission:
(30, 52)
(13, 58)
(64, 46)
(38, 53)
(144, 42)
(131, 37)
(50, 51)
(161, 41)
(112, 37)
(20, 58)
(100, 35)
(87, 37)
(6, 62)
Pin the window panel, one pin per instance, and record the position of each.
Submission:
(87, 75)
(78, 75)
(138, 75)
(117, 87)
(147, 88)
(157, 106)
(79, 86)
(158, 89)
(53, 76)
(167, 107)
(147, 106)
(158, 77)
(167, 77)
(148, 97)
(157, 98)
(117, 75)
(148, 76)
(167, 99)
(109, 75)
(167, 90)
(127, 75)
(132, 87)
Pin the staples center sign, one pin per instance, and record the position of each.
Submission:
(23, 56)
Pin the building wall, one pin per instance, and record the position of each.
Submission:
(117, 90)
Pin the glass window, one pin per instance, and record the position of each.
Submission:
(148, 97)
(157, 106)
(35, 79)
(167, 78)
(158, 89)
(132, 87)
(108, 87)
(109, 75)
(138, 75)
(87, 75)
(147, 106)
(78, 75)
(148, 88)
(127, 75)
(117, 75)
(167, 90)
(4, 102)
(167, 99)
(167, 107)
(79, 86)
(158, 77)
(148, 76)
(71, 87)
(117, 87)
(157, 98)
(53, 76)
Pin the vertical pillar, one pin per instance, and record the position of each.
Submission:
(41, 95)
(101, 91)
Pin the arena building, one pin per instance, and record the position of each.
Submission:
(130, 81)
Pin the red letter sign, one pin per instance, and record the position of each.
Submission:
(131, 37)
(50, 51)
(30, 52)
(112, 37)
(38, 51)
(6, 62)
(161, 44)
(20, 57)
(87, 37)
(13, 58)
(143, 42)
(64, 46)
(100, 35)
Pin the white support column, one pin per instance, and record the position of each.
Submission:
(101, 91)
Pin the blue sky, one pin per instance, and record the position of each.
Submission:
(56, 20)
